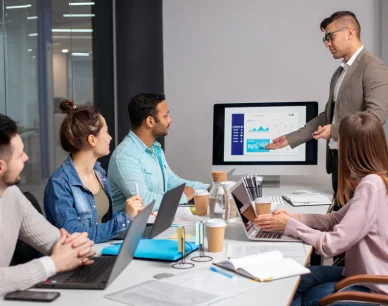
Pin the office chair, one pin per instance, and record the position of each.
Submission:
(354, 296)
(23, 251)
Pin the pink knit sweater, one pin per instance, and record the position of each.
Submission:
(360, 229)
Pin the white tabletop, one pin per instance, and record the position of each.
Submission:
(279, 292)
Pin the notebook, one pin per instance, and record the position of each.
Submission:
(264, 267)
(307, 199)
(159, 249)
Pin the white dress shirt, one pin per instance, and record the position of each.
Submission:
(332, 143)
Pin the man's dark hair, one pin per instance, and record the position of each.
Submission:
(143, 105)
(344, 18)
(8, 129)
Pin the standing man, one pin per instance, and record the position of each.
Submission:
(359, 84)
(138, 164)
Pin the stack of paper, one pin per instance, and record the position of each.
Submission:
(197, 287)
(183, 216)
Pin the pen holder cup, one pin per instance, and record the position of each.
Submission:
(254, 192)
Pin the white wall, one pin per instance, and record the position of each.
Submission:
(245, 51)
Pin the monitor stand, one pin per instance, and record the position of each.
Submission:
(271, 181)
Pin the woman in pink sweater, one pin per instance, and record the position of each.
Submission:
(359, 228)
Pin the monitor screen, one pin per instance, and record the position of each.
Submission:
(241, 132)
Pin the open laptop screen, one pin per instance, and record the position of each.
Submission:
(243, 204)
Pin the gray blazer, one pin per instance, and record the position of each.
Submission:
(364, 88)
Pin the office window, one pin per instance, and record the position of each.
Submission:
(19, 79)
(45, 56)
(72, 34)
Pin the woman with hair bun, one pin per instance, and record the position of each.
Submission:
(77, 196)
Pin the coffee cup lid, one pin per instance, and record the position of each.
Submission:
(201, 192)
(262, 200)
(216, 222)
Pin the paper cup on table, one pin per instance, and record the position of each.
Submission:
(262, 206)
(215, 231)
(201, 202)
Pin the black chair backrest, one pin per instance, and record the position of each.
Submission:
(23, 251)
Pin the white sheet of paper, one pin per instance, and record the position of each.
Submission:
(184, 215)
(290, 249)
(213, 283)
(158, 293)
(151, 218)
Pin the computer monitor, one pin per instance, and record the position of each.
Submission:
(242, 130)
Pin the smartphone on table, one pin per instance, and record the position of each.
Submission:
(33, 296)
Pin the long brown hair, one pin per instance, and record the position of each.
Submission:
(79, 123)
(362, 151)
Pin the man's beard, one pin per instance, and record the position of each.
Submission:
(10, 183)
(159, 133)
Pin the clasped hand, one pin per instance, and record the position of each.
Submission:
(276, 221)
(72, 251)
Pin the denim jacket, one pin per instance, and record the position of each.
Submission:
(70, 205)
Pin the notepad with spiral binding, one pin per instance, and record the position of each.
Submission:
(157, 249)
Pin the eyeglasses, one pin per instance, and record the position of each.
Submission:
(329, 36)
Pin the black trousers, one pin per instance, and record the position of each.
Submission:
(334, 178)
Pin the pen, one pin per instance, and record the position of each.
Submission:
(221, 272)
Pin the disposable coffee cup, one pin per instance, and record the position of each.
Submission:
(201, 202)
(262, 206)
(215, 231)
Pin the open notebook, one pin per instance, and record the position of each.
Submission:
(307, 199)
(264, 267)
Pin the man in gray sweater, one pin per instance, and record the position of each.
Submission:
(20, 220)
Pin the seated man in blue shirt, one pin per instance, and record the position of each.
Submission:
(139, 162)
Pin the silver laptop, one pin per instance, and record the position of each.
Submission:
(247, 214)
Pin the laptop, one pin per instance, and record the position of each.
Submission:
(166, 213)
(247, 214)
(105, 269)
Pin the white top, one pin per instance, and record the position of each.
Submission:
(332, 143)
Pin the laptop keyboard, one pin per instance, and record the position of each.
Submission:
(147, 232)
(269, 235)
(89, 274)
(278, 199)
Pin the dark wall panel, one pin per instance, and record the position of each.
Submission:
(103, 66)
(139, 37)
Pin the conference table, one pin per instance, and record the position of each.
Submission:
(278, 292)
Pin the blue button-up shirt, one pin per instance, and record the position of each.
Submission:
(132, 162)
(68, 204)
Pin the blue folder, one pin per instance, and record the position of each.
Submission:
(159, 249)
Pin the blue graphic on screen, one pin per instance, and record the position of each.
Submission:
(237, 134)
(257, 145)
(259, 129)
